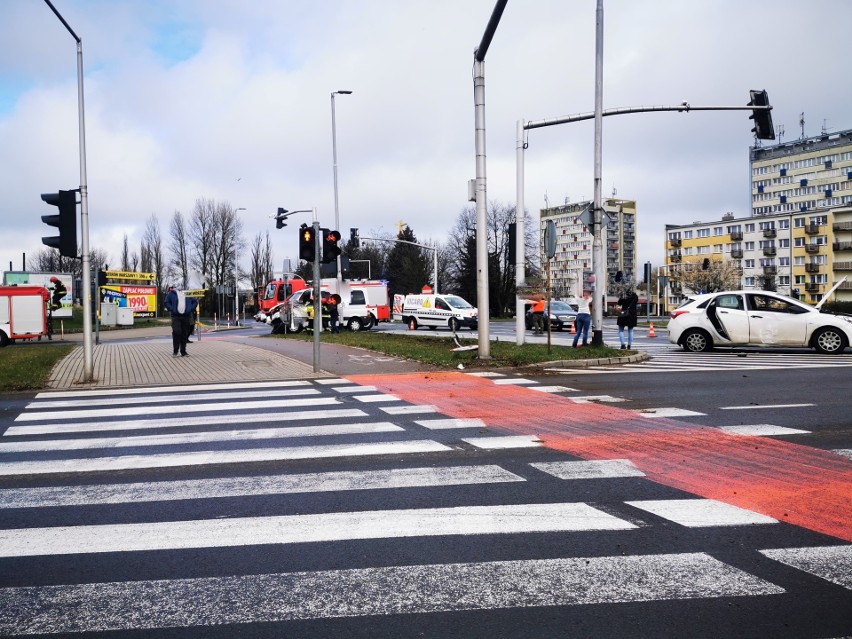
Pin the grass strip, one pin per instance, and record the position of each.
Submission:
(28, 366)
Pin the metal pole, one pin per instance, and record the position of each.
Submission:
(481, 209)
(597, 240)
(334, 159)
(520, 259)
(317, 296)
(436, 270)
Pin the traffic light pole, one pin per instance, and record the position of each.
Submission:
(88, 366)
(317, 296)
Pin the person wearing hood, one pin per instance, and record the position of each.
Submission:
(182, 309)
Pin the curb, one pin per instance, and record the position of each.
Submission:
(589, 363)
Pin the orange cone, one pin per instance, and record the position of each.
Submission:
(573, 328)
(412, 325)
(651, 332)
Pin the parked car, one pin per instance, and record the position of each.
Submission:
(561, 315)
(757, 318)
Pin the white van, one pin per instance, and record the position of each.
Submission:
(449, 311)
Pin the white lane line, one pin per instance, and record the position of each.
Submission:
(170, 422)
(168, 460)
(372, 399)
(187, 397)
(668, 412)
(486, 374)
(587, 399)
(409, 410)
(832, 563)
(255, 434)
(110, 392)
(553, 389)
(44, 496)
(514, 381)
(334, 381)
(597, 469)
(752, 406)
(297, 529)
(175, 411)
(356, 389)
(504, 441)
(761, 430)
(394, 590)
(440, 424)
(701, 513)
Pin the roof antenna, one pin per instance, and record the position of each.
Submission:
(802, 123)
(780, 128)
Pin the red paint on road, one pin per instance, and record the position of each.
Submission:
(804, 486)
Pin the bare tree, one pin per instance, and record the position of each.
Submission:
(152, 251)
(261, 260)
(125, 255)
(706, 275)
(227, 242)
(202, 240)
(179, 249)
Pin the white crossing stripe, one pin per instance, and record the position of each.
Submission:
(668, 412)
(553, 389)
(701, 513)
(846, 452)
(514, 380)
(188, 397)
(504, 441)
(171, 422)
(586, 399)
(597, 469)
(333, 381)
(486, 374)
(357, 388)
(43, 496)
(167, 460)
(440, 424)
(393, 590)
(409, 410)
(832, 563)
(297, 529)
(199, 438)
(110, 392)
(173, 410)
(761, 430)
(752, 406)
(372, 399)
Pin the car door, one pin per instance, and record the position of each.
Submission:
(727, 314)
(775, 321)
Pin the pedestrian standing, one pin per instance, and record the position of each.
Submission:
(628, 304)
(182, 309)
(334, 312)
(538, 317)
(584, 319)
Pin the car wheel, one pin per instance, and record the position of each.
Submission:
(454, 324)
(696, 341)
(4, 339)
(355, 324)
(368, 323)
(829, 341)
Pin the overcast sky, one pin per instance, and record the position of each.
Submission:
(230, 100)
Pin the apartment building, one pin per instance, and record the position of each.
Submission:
(798, 239)
(572, 265)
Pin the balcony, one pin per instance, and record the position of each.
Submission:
(814, 248)
(842, 246)
(842, 226)
(770, 233)
(736, 236)
(769, 251)
(812, 229)
(811, 268)
(812, 288)
(846, 286)
(770, 270)
(676, 257)
(737, 254)
(843, 266)
(675, 243)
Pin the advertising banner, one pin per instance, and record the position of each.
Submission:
(20, 278)
(142, 299)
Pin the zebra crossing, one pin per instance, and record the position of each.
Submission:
(232, 504)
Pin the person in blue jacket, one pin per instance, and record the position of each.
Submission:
(182, 309)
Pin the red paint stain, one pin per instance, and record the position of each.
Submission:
(804, 486)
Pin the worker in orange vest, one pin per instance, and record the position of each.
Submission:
(538, 317)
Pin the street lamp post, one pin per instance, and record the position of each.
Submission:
(334, 159)
(236, 276)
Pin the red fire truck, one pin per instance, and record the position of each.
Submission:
(23, 312)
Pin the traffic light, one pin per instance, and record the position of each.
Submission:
(307, 243)
(66, 222)
(354, 238)
(330, 249)
(101, 278)
(280, 217)
(763, 129)
(511, 240)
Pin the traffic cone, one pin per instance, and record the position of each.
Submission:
(573, 328)
(651, 332)
(412, 325)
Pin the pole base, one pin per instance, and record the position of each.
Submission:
(597, 338)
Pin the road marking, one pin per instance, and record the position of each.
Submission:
(176, 411)
(355, 389)
(336, 380)
(761, 430)
(169, 422)
(200, 458)
(598, 469)
(701, 513)
(486, 374)
(668, 412)
(372, 399)
(298, 529)
(553, 389)
(514, 380)
(156, 390)
(504, 441)
(588, 399)
(752, 406)
(409, 410)
(393, 590)
(199, 438)
(188, 397)
(846, 452)
(440, 424)
(832, 563)
(44, 496)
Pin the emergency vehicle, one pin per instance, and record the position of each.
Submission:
(450, 311)
(23, 312)
(363, 303)
(277, 291)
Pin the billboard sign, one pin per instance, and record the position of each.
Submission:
(142, 299)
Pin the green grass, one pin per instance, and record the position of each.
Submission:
(436, 349)
(28, 366)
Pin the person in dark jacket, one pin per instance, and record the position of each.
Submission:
(59, 291)
(182, 309)
(628, 305)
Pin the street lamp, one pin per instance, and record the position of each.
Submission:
(236, 274)
(334, 159)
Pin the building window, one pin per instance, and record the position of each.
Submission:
(748, 263)
(703, 232)
(718, 230)
(750, 227)
(687, 235)
(749, 246)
